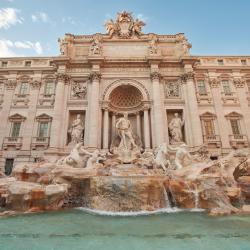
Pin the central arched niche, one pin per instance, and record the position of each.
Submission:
(125, 98)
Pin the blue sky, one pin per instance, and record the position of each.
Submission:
(214, 27)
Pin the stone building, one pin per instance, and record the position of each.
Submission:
(98, 77)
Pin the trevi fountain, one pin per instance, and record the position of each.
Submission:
(150, 185)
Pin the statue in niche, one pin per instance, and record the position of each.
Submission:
(175, 129)
(124, 129)
(76, 130)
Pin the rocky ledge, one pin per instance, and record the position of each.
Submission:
(221, 187)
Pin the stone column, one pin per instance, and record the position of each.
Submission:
(138, 124)
(9, 89)
(113, 129)
(219, 110)
(242, 95)
(30, 121)
(192, 112)
(146, 128)
(105, 128)
(158, 107)
(94, 108)
(56, 126)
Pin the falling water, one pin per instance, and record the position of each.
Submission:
(167, 202)
(196, 198)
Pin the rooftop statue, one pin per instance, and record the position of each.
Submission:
(125, 26)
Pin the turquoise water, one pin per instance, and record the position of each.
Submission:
(76, 229)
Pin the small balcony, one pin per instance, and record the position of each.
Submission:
(229, 97)
(238, 141)
(204, 98)
(212, 140)
(46, 100)
(15, 142)
(40, 143)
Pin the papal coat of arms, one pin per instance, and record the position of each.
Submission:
(125, 26)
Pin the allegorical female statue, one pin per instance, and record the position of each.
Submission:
(77, 129)
(175, 129)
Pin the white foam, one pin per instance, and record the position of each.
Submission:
(138, 213)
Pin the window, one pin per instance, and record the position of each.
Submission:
(220, 62)
(15, 129)
(43, 129)
(226, 87)
(1, 88)
(49, 88)
(202, 87)
(4, 64)
(8, 166)
(27, 63)
(209, 127)
(24, 87)
(244, 62)
(235, 125)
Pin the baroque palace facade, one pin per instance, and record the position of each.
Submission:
(97, 78)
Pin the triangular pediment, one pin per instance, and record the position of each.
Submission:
(44, 117)
(233, 115)
(208, 114)
(16, 117)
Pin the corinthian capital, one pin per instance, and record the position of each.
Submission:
(95, 76)
(155, 75)
(187, 76)
(239, 83)
(63, 77)
(11, 84)
(214, 83)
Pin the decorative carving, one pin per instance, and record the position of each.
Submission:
(155, 75)
(125, 97)
(95, 76)
(239, 83)
(63, 77)
(35, 84)
(79, 90)
(11, 84)
(95, 48)
(187, 76)
(125, 26)
(153, 47)
(172, 89)
(214, 83)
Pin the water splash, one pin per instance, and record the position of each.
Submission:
(132, 213)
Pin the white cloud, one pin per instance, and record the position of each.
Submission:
(40, 17)
(68, 19)
(7, 46)
(8, 17)
(141, 17)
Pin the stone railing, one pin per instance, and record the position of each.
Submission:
(212, 139)
(12, 142)
(238, 140)
(39, 142)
